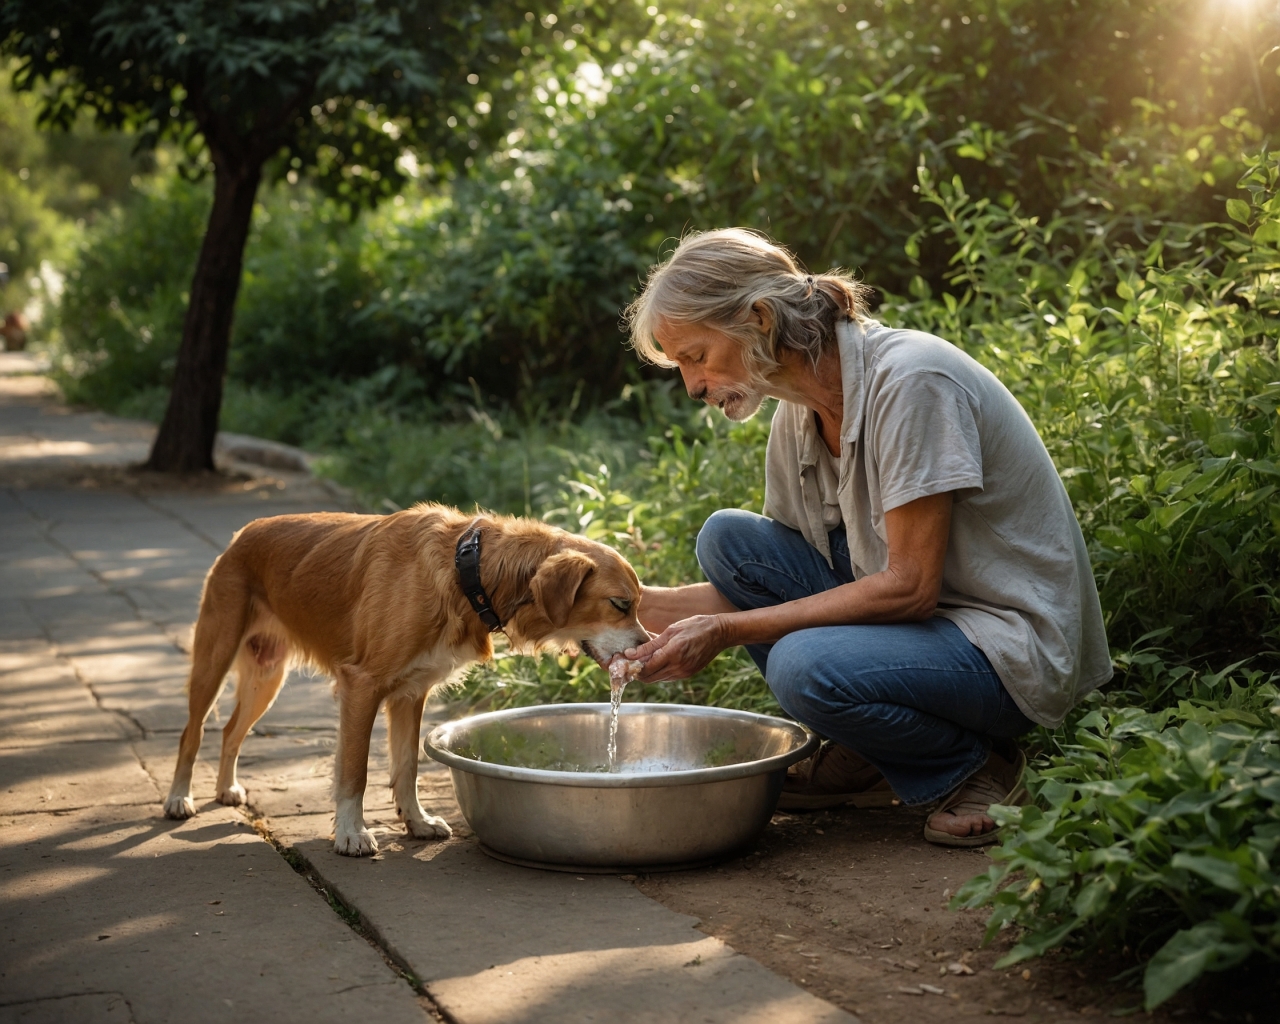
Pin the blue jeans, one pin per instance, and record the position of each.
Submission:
(916, 699)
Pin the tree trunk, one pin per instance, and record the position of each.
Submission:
(184, 443)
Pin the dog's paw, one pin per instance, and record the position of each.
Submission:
(179, 807)
(232, 796)
(428, 827)
(355, 844)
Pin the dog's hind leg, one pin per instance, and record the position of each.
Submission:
(217, 638)
(358, 700)
(404, 730)
(260, 668)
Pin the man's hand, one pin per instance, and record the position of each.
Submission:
(682, 649)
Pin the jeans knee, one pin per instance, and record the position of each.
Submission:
(720, 543)
(793, 676)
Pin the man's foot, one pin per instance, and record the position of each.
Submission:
(963, 819)
(833, 777)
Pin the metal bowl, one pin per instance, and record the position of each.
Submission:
(691, 785)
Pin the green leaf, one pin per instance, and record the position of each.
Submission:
(1268, 232)
(1179, 962)
(1221, 873)
(1238, 209)
(1093, 897)
(1187, 955)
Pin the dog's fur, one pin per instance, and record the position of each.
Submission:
(375, 602)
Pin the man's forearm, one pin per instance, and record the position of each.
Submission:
(661, 606)
(881, 597)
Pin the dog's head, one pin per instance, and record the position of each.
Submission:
(587, 594)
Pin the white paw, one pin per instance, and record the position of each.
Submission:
(179, 807)
(355, 844)
(428, 827)
(232, 796)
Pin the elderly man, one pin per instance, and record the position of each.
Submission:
(918, 590)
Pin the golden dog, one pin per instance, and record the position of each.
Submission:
(376, 602)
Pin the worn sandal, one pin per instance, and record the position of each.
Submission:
(835, 777)
(996, 782)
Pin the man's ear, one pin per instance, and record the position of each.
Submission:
(555, 585)
(762, 314)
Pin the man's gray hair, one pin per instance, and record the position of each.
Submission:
(720, 278)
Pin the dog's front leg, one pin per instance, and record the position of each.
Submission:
(358, 701)
(404, 730)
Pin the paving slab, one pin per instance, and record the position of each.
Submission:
(42, 702)
(500, 944)
(186, 922)
(67, 776)
(97, 1008)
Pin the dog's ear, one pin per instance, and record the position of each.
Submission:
(555, 585)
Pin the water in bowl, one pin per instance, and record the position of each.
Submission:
(506, 743)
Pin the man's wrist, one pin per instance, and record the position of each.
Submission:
(726, 630)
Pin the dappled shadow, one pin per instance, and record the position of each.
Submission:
(119, 899)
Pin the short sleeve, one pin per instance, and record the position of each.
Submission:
(924, 438)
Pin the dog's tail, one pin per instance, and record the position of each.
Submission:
(226, 611)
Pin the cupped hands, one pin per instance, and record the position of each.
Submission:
(682, 649)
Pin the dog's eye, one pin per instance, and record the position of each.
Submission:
(621, 603)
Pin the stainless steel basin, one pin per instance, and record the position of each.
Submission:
(692, 784)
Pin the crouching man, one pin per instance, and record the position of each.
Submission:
(918, 590)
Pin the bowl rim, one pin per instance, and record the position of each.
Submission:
(807, 744)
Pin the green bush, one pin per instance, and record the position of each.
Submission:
(1149, 834)
(809, 122)
(1152, 375)
(125, 298)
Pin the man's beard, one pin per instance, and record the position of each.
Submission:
(737, 404)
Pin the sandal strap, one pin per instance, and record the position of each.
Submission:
(984, 788)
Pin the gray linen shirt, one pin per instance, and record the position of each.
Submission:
(921, 418)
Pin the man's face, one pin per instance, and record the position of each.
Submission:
(711, 365)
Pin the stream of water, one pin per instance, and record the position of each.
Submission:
(615, 702)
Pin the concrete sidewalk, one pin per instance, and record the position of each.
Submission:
(108, 912)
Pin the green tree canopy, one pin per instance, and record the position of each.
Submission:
(337, 88)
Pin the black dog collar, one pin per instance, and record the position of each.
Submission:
(466, 559)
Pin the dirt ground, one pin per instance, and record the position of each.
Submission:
(852, 904)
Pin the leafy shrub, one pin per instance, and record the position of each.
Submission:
(1151, 834)
(1154, 381)
(122, 310)
(809, 123)
(308, 275)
